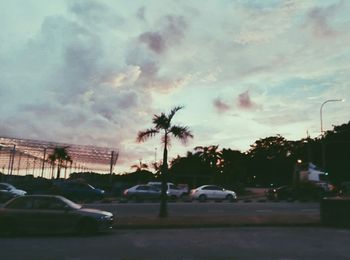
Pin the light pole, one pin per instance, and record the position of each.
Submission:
(321, 108)
(321, 120)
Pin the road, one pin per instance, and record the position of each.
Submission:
(211, 243)
(210, 208)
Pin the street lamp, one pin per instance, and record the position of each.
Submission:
(323, 145)
(327, 101)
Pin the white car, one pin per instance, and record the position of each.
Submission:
(173, 191)
(8, 191)
(212, 192)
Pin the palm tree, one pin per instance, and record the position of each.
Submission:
(60, 156)
(140, 166)
(162, 123)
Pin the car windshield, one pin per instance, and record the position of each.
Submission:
(71, 204)
(7, 186)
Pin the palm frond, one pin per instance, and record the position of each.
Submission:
(144, 135)
(181, 132)
(173, 112)
(161, 121)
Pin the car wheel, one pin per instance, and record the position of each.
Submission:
(87, 226)
(202, 198)
(230, 198)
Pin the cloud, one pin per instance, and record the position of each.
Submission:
(244, 102)
(170, 34)
(95, 72)
(263, 24)
(154, 41)
(221, 106)
(318, 20)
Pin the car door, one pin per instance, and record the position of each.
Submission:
(208, 191)
(218, 192)
(53, 215)
(21, 212)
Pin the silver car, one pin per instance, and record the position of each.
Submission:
(8, 191)
(212, 192)
(50, 213)
(142, 192)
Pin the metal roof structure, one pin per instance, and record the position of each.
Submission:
(25, 156)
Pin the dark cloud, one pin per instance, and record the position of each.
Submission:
(170, 34)
(221, 106)
(244, 101)
(154, 41)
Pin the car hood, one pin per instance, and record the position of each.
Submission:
(95, 212)
(18, 192)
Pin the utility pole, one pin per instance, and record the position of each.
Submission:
(43, 165)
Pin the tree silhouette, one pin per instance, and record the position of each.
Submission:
(139, 167)
(162, 124)
(60, 156)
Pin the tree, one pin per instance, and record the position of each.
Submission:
(162, 124)
(139, 167)
(209, 154)
(60, 156)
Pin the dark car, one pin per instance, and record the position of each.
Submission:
(50, 213)
(8, 191)
(142, 192)
(304, 191)
(78, 191)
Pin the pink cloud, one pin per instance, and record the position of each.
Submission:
(169, 35)
(244, 101)
(221, 106)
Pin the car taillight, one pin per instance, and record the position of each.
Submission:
(125, 192)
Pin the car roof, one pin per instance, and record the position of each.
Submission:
(41, 196)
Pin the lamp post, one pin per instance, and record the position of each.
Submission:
(321, 120)
(321, 108)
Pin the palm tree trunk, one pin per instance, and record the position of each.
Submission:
(58, 171)
(163, 210)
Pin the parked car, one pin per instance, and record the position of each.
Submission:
(78, 191)
(173, 192)
(142, 192)
(51, 213)
(304, 191)
(212, 192)
(8, 191)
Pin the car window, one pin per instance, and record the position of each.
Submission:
(208, 188)
(142, 188)
(20, 203)
(3, 187)
(173, 187)
(47, 203)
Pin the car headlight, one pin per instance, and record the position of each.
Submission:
(106, 217)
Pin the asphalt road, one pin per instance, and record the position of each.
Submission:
(210, 208)
(210, 243)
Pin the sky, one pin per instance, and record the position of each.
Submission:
(95, 72)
